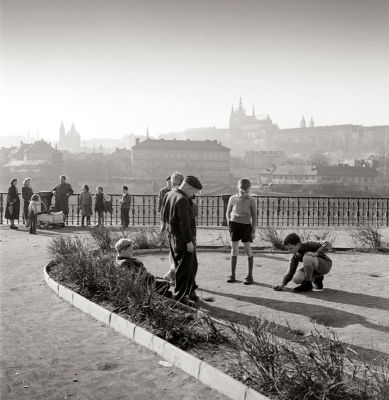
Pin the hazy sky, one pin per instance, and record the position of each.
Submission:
(116, 67)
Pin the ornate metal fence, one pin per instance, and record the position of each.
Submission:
(271, 211)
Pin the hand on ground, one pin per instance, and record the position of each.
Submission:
(278, 287)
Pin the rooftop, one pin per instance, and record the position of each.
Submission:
(346, 170)
(180, 144)
(41, 146)
(295, 170)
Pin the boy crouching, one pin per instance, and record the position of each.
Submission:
(316, 263)
(125, 259)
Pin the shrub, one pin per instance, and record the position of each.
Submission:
(224, 237)
(369, 238)
(96, 276)
(270, 235)
(320, 235)
(317, 367)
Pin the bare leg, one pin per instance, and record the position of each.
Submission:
(310, 265)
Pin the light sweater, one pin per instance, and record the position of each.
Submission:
(243, 210)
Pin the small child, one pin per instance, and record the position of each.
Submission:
(316, 263)
(99, 205)
(124, 258)
(33, 212)
(242, 220)
(86, 205)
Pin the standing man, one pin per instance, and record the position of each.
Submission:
(125, 207)
(62, 192)
(177, 217)
(161, 195)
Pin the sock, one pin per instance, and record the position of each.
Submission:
(234, 260)
(250, 265)
(83, 220)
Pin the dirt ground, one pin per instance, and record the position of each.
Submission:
(51, 350)
(47, 341)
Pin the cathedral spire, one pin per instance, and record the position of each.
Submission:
(311, 124)
(302, 123)
(253, 110)
(147, 133)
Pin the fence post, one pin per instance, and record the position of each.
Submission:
(225, 198)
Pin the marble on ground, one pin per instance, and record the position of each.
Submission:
(51, 350)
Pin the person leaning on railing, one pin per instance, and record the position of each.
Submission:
(13, 203)
(62, 192)
(125, 204)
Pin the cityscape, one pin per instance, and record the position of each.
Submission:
(298, 159)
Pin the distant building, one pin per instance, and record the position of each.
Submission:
(263, 158)
(356, 176)
(120, 162)
(208, 160)
(5, 155)
(18, 153)
(288, 174)
(69, 141)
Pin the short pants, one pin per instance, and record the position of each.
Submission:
(240, 232)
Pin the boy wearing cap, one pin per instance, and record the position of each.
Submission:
(125, 202)
(177, 217)
(125, 259)
(242, 221)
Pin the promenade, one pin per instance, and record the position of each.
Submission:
(51, 350)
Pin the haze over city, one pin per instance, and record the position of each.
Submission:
(115, 68)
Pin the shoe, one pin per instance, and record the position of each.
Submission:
(306, 286)
(14, 227)
(82, 226)
(248, 280)
(193, 296)
(318, 283)
(231, 279)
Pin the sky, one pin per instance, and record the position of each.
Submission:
(117, 67)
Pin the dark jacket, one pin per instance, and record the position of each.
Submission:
(136, 266)
(99, 202)
(161, 196)
(26, 195)
(176, 215)
(12, 197)
(126, 201)
(314, 247)
(61, 198)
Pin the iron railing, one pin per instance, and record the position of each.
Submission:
(271, 210)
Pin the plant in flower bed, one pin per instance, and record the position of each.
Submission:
(369, 238)
(315, 367)
(143, 237)
(96, 276)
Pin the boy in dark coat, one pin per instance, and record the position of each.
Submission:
(124, 259)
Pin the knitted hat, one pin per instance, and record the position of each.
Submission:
(122, 244)
(193, 181)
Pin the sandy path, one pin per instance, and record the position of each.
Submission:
(46, 343)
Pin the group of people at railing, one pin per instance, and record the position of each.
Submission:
(61, 192)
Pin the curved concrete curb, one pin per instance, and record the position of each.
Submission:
(200, 370)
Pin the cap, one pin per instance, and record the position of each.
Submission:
(122, 244)
(168, 178)
(125, 187)
(193, 181)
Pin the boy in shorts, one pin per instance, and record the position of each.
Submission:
(316, 263)
(242, 221)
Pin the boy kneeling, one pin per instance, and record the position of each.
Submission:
(316, 263)
(124, 248)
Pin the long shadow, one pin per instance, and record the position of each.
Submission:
(278, 258)
(280, 330)
(323, 315)
(341, 297)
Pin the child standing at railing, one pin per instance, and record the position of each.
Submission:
(242, 220)
(99, 205)
(33, 212)
(86, 202)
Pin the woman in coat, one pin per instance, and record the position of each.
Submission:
(62, 192)
(26, 194)
(13, 204)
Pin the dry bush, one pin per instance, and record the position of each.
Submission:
(270, 236)
(320, 235)
(311, 368)
(368, 238)
(224, 237)
(96, 276)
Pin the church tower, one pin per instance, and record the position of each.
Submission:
(253, 110)
(311, 124)
(302, 123)
(61, 142)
